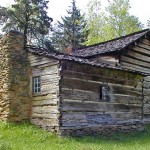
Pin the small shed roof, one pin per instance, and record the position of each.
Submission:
(114, 45)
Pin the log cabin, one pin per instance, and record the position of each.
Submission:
(99, 89)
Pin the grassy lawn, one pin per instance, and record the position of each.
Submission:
(28, 137)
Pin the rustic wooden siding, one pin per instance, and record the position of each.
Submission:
(45, 112)
(146, 103)
(81, 106)
(137, 58)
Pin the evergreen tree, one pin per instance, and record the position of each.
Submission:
(29, 17)
(70, 32)
(115, 22)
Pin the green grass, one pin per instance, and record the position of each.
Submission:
(28, 137)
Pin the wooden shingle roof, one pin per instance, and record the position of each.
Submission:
(66, 57)
(114, 45)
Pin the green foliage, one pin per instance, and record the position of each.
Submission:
(28, 137)
(119, 19)
(96, 23)
(113, 23)
(3, 15)
(29, 17)
(70, 32)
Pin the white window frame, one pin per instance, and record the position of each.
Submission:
(36, 85)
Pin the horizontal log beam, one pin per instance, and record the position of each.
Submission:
(99, 107)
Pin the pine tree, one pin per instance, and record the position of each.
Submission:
(29, 17)
(70, 32)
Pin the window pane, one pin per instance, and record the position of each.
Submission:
(39, 89)
(36, 85)
(35, 90)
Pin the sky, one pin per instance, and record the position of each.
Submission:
(57, 8)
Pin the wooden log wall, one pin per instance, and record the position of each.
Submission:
(82, 110)
(137, 58)
(146, 103)
(45, 106)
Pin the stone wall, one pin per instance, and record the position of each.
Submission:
(14, 78)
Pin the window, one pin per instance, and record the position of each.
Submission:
(36, 85)
(104, 93)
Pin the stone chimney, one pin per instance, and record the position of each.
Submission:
(14, 78)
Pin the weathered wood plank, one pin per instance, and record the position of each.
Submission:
(125, 99)
(44, 65)
(99, 107)
(50, 70)
(96, 82)
(88, 85)
(134, 67)
(144, 46)
(135, 61)
(92, 70)
(49, 90)
(141, 50)
(137, 55)
(45, 122)
(145, 41)
(126, 90)
(51, 102)
(44, 116)
(81, 95)
(50, 79)
(45, 97)
(39, 60)
(45, 109)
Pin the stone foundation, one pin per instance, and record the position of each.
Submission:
(101, 130)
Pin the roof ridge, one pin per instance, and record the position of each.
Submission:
(138, 32)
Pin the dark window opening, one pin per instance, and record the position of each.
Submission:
(103, 93)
